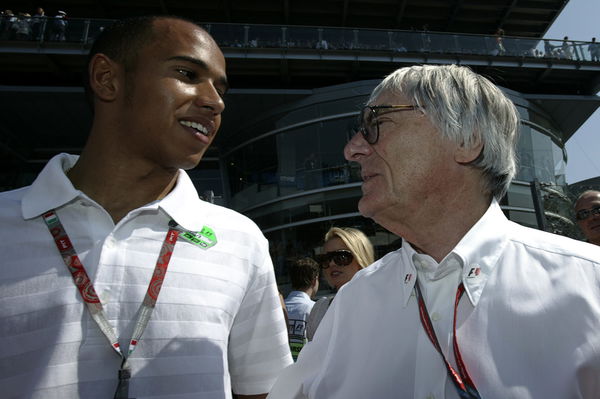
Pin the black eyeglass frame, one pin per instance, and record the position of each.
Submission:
(336, 256)
(368, 130)
(583, 214)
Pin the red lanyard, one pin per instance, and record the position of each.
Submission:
(92, 301)
(461, 379)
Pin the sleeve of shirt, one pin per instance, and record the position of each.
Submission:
(315, 316)
(258, 342)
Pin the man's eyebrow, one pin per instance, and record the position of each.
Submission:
(221, 80)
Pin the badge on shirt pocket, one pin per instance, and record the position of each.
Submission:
(204, 238)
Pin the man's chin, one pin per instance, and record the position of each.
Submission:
(364, 208)
(190, 162)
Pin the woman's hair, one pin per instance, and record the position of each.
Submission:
(356, 241)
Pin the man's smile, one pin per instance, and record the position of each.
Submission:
(195, 125)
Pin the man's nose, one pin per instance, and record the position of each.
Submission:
(356, 148)
(208, 96)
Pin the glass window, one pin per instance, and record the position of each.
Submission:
(228, 35)
(302, 37)
(539, 157)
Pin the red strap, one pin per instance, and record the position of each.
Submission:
(462, 381)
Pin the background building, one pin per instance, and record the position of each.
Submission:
(300, 71)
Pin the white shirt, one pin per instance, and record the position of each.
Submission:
(217, 325)
(298, 305)
(528, 325)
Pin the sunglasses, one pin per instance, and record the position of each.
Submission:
(341, 257)
(586, 213)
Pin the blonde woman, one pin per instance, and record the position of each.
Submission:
(346, 251)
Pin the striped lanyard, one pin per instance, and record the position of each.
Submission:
(462, 381)
(92, 301)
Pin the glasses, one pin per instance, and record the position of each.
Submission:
(368, 123)
(341, 257)
(586, 213)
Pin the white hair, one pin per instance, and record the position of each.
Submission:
(467, 108)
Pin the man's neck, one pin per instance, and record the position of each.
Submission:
(309, 292)
(435, 229)
(120, 185)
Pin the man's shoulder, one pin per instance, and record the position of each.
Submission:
(10, 202)
(553, 244)
(230, 218)
(381, 267)
(382, 273)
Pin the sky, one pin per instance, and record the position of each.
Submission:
(579, 21)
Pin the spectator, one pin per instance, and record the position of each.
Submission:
(499, 37)
(129, 209)
(548, 49)
(9, 20)
(23, 27)
(566, 49)
(38, 23)
(425, 38)
(304, 275)
(59, 27)
(473, 305)
(347, 251)
(322, 44)
(594, 49)
(587, 213)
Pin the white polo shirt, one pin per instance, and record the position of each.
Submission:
(217, 326)
(528, 324)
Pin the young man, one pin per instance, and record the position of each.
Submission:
(587, 213)
(304, 275)
(472, 305)
(88, 246)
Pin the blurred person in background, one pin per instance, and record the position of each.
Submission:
(587, 213)
(345, 252)
(304, 276)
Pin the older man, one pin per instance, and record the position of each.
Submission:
(587, 213)
(472, 305)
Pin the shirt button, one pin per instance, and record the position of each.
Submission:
(435, 316)
(105, 296)
(109, 243)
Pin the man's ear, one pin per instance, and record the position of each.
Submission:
(105, 77)
(314, 281)
(466, 155)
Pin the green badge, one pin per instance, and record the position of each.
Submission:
(205, 238)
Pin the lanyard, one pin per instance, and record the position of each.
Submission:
(92, 301)
(461, 379)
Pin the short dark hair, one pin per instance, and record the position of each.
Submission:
(303, 272)
(122, 41)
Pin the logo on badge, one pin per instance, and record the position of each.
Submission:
(204, 238)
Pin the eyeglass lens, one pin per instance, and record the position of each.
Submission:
(586, 213)
(370, 128)
(340, 258)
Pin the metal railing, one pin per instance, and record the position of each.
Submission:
(84, 31)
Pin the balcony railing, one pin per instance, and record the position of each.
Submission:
(45, 31)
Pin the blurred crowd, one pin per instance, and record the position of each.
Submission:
(24, 26)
